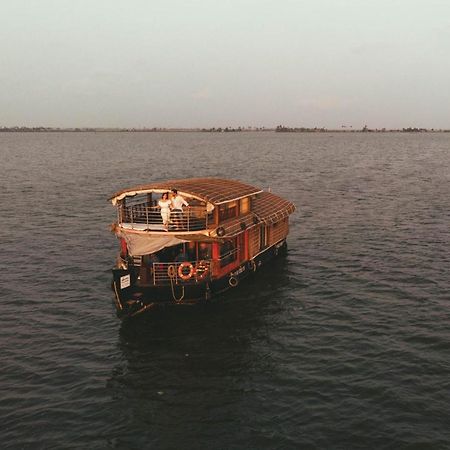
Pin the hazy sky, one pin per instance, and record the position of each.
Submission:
(188, 63)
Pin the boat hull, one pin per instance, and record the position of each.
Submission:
(132, 300)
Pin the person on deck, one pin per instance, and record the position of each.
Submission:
(204, 251)
(165, 205)
(178, 202)
(182, 256)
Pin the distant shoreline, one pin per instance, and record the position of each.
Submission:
(278, 129)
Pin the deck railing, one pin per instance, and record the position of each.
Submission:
(228, 257)
(184, 272)
(187, 272)
(192, 218)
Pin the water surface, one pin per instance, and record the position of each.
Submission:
(343, 344)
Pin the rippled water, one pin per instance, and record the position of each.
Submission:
(343, 344)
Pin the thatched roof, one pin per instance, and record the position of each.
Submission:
(267, 208)
(213, 190)
(270, 208)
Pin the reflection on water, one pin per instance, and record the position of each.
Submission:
(182, 363)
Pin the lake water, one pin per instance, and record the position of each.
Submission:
(344, 344)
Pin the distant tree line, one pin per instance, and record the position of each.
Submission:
(278, 129)
(364, 129)
(283, 129)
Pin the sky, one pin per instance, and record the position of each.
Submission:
(208, 63)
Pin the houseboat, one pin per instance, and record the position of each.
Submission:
(183, 241)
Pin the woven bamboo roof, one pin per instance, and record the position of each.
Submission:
(213, 190)
(267, 208)
(270, 208)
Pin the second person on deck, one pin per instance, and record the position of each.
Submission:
(178, 202)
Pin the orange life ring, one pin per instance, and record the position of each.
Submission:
(201, 270)
(181, 270)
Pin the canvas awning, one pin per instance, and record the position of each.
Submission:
(139, 245)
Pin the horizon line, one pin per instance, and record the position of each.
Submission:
(279, 128)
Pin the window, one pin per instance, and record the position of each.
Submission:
(262, 237)
(245, 205)
(228, 210)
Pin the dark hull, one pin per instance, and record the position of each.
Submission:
(134, 300)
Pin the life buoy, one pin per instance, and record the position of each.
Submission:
(220, 231)
(182, 273)
(233, 281)
(252, 265)
(201, 270)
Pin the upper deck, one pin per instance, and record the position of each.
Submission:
(146, 216)
(212, 202)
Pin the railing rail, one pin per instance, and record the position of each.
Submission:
(186, 272)
(192, 218)
(228, 257)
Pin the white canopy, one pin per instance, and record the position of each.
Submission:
(139, 245)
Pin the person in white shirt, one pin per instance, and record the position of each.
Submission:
(177, 207)
(165, 204)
